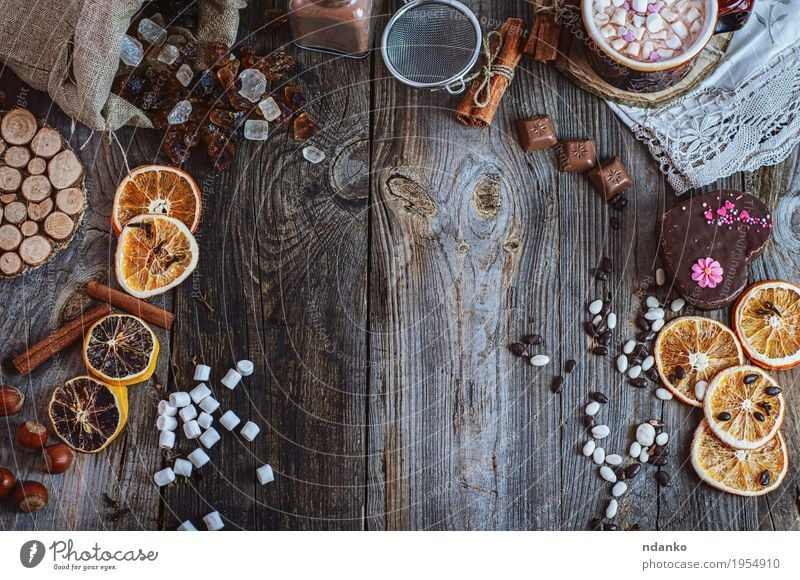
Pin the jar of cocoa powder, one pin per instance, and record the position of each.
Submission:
(341, 26)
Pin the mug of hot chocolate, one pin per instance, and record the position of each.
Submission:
(646, 46)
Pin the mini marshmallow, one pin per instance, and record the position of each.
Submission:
(164, 477)
(265, 475)
(250, 430)
(166, 440)
(166, 423)
(199, 393)
(229, 420)
(231, 379)
(202, 373)
(213, 522)
(187, 526)
(209, 404)
(191, 429)
(209, 438)
(245, 367)
(164, 408)
(199, 458)
(205, 420)
(180, 399)
(183, 467)
(188, 413)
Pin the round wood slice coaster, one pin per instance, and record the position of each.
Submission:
(582, 74)
(42, 194)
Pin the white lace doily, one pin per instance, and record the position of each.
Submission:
(744, 116)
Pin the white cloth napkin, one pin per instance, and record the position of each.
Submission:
(743, 116)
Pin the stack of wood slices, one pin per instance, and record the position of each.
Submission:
(42, 197)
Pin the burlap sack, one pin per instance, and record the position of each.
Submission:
(70, 48)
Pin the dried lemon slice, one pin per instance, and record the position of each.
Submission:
(744, 407)
(157, 189)
(154, 254)
(746, 472)
(690, 349)
(767, 321)
(88, 415)
(120, 350)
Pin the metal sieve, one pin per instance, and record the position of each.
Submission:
(432, 44)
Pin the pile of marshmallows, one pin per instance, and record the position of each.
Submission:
(199, 426)
(649, 30)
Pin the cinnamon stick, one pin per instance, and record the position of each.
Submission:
(131, 305)
(547, 34)
(65, 336)
(512, 33)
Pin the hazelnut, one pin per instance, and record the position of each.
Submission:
(7, 481)
(11, 400)
(31, 436)
(30, 496)
(57, 458)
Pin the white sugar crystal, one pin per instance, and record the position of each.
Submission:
(313, 155)
(184, 75)
(270, 109)
(254, 84)
(131, 52)
(168, 54)
(256, 130)
(151, 32)
(180, 113)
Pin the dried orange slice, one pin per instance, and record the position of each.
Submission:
(160, 190)
(747, 472)
(744, 407)
(767, 321)
(690, 349)
(88, 415)
(120, 350)
(154, 254)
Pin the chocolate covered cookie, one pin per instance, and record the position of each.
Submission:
(708, 241)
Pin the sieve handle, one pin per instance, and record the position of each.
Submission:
(456, 87)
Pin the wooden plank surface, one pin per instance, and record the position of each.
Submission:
(376, 294)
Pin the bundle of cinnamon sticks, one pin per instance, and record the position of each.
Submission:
(512, 43)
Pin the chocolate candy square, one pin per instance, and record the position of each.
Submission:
(577, 156)
(536, 133)
(610, 179)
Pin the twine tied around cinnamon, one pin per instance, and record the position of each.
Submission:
(490, 69)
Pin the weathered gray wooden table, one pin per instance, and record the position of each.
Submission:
(376, 293)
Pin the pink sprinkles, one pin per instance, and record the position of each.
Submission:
(729, 215)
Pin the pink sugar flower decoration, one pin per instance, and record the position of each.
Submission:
(707, 272)
(709, 215)
(744, 215)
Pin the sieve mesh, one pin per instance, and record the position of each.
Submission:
(431, 44)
